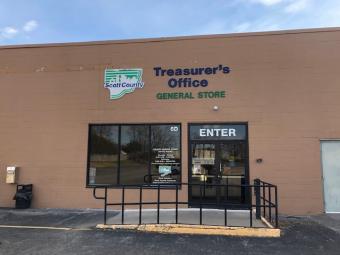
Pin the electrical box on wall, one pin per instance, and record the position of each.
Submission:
(10, 174)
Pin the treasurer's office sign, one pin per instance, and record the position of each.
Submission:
(122, 81)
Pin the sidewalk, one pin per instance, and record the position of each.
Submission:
(73, 232)
(331, 221)
(90, 218)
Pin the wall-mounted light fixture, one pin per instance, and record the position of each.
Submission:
(259, 160)
(215, 108)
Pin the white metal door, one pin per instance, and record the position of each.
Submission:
(330, 153)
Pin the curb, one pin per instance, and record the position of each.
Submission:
(197, 230)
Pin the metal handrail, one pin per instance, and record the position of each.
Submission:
(265, 205)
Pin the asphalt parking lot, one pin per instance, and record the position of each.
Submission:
(300, 236)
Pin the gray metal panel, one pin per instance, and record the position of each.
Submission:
(330, 153)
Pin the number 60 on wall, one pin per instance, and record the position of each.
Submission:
(174, 129)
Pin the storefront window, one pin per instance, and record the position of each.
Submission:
(165, 159)
(103, 155)
(134, 154)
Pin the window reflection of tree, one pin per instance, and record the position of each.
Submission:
(104, 154)
(162, 137)
(104, 140)
(135, 143)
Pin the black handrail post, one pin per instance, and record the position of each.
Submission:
(105, 206)
(140, 203)
(158, 201)
(201, 203)
(123, 203)
(251, 216)
(257, 191)
(276, 209)
(176, 203)
(270, 203)
(227, 188)
(264, 199)
(225, 216)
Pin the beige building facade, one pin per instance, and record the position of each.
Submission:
(273, 97)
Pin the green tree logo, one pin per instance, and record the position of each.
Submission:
(122, 81)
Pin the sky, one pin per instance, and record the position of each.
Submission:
(50, 21)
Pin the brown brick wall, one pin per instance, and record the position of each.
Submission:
(285, 85)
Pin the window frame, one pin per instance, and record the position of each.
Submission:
(119, 125)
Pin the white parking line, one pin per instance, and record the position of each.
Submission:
(39, 227)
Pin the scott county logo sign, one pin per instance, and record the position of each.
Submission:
(122, 81)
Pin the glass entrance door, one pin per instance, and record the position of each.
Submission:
(204, 169)
(218, 163)
(232, 166)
